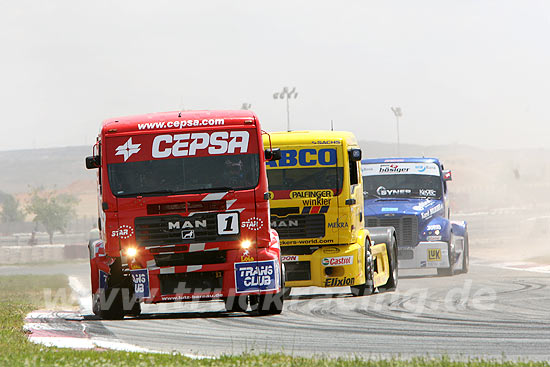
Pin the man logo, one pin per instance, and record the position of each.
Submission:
(284, 223)
(187, 224)
(188, 234)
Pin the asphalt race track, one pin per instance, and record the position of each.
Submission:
(490, 312)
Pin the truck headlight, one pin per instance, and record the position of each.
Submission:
(246, 244)
(131, 252)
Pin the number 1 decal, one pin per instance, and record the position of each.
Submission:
(228, 223)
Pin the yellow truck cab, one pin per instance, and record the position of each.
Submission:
(317, 208)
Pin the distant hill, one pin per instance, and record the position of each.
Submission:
(53, 167)
(482, 178)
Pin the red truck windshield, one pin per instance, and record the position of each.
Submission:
(183, 175)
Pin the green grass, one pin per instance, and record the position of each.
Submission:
(22, 294)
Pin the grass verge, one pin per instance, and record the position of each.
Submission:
(22, 294)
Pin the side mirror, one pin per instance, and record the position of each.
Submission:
(93, 162)
(272, 154)
(355, 154)
(447, 175)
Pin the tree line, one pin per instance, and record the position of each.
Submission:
(48, 208)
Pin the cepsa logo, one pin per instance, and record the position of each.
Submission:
(181, 145)
(305, 157)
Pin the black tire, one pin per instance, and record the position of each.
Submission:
(136, 310)
(118, 298)
(447, 272)
(367, 288)
(267, 304)
(391, 285)
(270, 304)
(286, 292)
(466, 255)
(236, 304)
(110, 304)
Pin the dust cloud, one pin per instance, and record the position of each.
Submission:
(503, 195)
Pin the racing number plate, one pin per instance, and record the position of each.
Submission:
(434, 254)
(228, 223)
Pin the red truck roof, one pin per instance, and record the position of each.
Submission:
(177, 120)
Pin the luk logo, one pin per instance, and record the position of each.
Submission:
(434, 254)
(128, 149)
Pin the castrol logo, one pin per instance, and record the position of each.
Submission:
(335, 261)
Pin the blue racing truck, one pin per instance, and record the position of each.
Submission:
(410, 194)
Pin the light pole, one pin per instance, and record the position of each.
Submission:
(286, 93)
(398, 113)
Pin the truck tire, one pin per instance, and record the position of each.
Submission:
(391, 285)
(447, 272)
(117, 299)
(110, 304)
(367, 288)
(269, 304)
(132, 306)
(466, 255)
(388, 236)
(286, 293)
(236, 304)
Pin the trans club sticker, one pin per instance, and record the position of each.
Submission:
(140, 278)
(254, 276)
(141, 282)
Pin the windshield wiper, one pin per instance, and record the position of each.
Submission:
(373, 195)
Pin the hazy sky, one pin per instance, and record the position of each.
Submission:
(465, 71)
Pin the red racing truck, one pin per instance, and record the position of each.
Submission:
(184, 213)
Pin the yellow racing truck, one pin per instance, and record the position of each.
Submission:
(317, 207)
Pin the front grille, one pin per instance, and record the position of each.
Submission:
(406, 228)
(299, 226)
(207, 281)
(191, 258)
(299, 270)
(170, 230)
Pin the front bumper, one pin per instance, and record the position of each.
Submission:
(242, 273)
(329, 266)
(424, 255)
